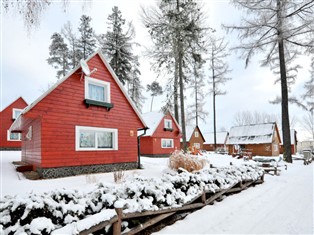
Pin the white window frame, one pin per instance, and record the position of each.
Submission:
(196, 134)
(165, 140)
(97, 82)
(167, 121)
(275, 147)
(9, 136)
(197, 145)
(13, 113)
(97, 130)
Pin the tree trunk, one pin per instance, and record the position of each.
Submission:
(196, 91)
(284, 90)
(175, 93)
(151, 104)
(214, 101)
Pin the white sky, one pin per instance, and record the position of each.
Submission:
(25, 71)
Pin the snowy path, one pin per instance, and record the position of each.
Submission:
(282, 205)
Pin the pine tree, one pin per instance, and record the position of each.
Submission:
(118, 46)
(155, 90)
(59, 55)
(135, 88)
(86, 41)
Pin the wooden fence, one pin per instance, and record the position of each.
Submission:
(206, 198)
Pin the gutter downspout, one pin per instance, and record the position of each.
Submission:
(139, 144)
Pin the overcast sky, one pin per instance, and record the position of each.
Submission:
(25, 72)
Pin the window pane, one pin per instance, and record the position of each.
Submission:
(164, 143)
(17, 113)
(105, 139)
(96, 92)
(87, 139)
(14, 136)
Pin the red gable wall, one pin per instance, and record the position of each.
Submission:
(6, 122)
(151, 145)
(59, 112)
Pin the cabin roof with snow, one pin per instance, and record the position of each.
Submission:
(221, 137)
(253, 134)
(153, 119)
(293, 136)
(16, 125)
(189, 130)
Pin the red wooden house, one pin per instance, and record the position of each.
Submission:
(194, 138)
(85, 123)
(163, 135)
(8, 140)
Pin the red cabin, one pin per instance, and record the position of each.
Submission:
(194, 138)
(85, 123)
(162, 137)
(8, 140)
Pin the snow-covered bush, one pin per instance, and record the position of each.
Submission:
(43, 213)
(179, 159)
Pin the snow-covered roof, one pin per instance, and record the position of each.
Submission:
(252, 134)
(189, 131)
(221, 137)
(17, 121)
(152, 120)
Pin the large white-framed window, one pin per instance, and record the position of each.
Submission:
(168, 123)
(196, 134)
(167, 143)
(97, 90)
(95, 138)
(16, 113)
(13, 136)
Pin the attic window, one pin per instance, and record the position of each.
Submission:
(196, 134)
(168, 125)
(97, 92)
(16, 113)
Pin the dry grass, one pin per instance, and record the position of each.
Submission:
(118, 176)
(178, 159)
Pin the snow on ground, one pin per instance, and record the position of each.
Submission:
(282, 205)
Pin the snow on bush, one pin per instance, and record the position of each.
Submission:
(179, 159)
(41, 214)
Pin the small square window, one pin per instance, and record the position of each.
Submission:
(97, 90)
(168, 124)
(16, 113)
(12, 136)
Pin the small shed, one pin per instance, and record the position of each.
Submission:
(8, 139)
(257, 139)
(194, 137)
(163, 135)
(221, 139)
(294, 142)
(85, 123)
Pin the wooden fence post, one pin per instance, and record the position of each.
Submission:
(117, 225)
(204, 197)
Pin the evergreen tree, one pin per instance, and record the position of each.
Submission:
(86, 42)
(155, 90)
(59, 55)
(135, 88)
(118, 46)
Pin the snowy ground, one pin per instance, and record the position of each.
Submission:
(282, 205)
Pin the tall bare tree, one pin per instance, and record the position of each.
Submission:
(219, 69)
(271, 27)
(174, 25)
